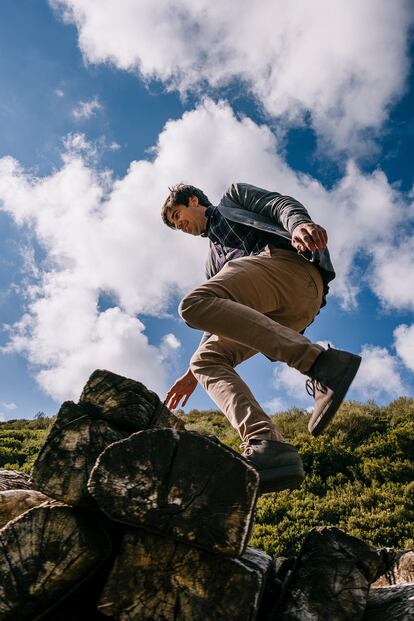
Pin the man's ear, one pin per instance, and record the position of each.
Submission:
(192, 201)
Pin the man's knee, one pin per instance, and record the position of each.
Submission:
(189, 304)
(195, 365)
(209, 356)
(185, 306)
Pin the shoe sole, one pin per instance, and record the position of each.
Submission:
(326, 416)
(277, 479)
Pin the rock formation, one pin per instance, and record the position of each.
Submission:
(129, 516)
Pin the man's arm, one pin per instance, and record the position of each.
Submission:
(286, 211)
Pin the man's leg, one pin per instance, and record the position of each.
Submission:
(213, 367)
(235, 304)
(263, 302)
(278, 463)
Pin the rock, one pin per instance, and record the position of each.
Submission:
(179, 484)
(394, 603)
(44, 554)
(12, 479)
(399, 571)
(14, 502)
(156, 579)
(63, 466)
(331, 578)
(126, 403)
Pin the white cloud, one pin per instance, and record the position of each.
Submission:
(8, 406)
(292, 382)
(378, 375)
(105, 236)
(404, 344)
(274, 405)
(171, 341)
(115, 342)
(343, 62)
(392, 276)
(76, 143)
(86, 109)
(59, 92)
(364, 214)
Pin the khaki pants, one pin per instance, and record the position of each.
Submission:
(254, 304)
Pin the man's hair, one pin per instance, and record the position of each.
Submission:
(179, 195)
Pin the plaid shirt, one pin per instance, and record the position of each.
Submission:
(231, 240)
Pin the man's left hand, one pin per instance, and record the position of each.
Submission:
(309, 236)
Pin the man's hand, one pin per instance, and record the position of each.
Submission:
(309, 236)
(182, 389)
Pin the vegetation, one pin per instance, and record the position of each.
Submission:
(21, 440)
(359, 473)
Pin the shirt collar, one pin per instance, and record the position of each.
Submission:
(208, 213)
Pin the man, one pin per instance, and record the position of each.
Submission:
(268, 270)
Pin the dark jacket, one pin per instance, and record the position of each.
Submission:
(273, 213)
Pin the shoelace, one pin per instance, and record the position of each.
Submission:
(312, 385)
(247, 449)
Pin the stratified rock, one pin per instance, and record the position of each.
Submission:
(391, 604)
(12, 479)
(14, 502)
(126, 403)
(331, 579)
(179, 484)
(44, 554)
(63, 466)
(155, 579)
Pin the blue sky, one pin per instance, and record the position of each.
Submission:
(105, 105)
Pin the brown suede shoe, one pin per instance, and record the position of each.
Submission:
(278, 464)
(331, 375)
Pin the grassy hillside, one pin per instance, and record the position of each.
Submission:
(359, 473)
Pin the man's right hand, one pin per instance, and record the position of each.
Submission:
(182, 389)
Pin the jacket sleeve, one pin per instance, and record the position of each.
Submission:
(284, 210)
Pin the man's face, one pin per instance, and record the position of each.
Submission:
(189, 219)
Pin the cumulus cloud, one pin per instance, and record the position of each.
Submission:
(378, 375)
(404, 344)
(392, 276)
(105, 236)
(85, 341)
(8, 406)
(86, 109)
(274, 405)
(76, 143)
(171, 342)
(343, 63)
